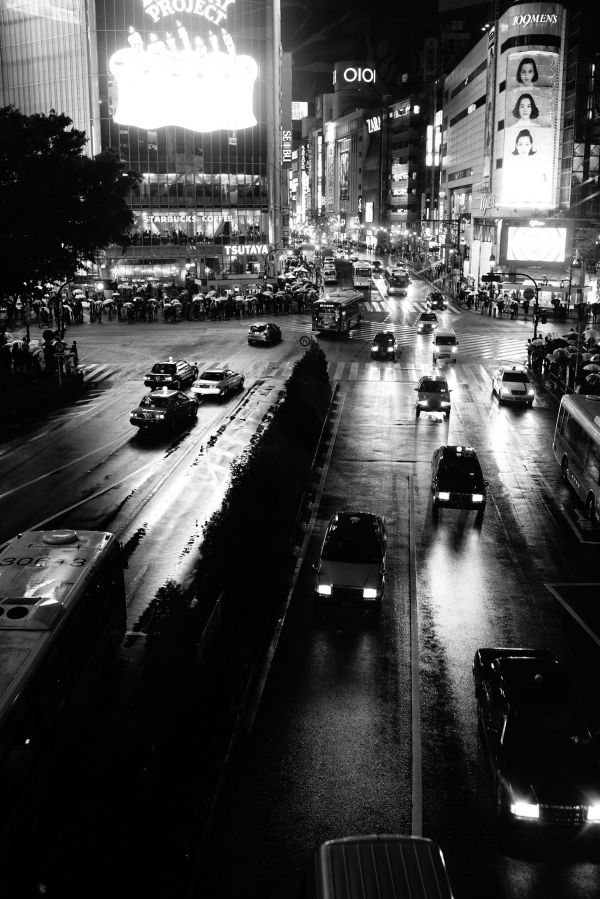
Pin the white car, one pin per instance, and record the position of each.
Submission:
(218, 382)
(511, 384)
(329, 274)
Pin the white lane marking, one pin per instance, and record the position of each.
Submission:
(417, 757)
(54, 471)
(571, 611)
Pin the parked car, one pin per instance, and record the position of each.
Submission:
(218, 383)
(457, 480)
(351, 568)
(433, 395)
(511, 384)
(164, 409)
(265, 333)
(543, 760)
(174, 373)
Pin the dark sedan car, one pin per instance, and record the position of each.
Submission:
(265, 333)
(427, 322)
(457, 480)
(164, 409)
(544, 763)
(384, 345)
(436, 300)
(351, 570)
(174, 373)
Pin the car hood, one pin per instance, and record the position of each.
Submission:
(555, 772)
(346, 574)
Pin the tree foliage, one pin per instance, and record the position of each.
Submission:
(58, 206)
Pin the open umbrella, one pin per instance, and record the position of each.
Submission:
(557, 342)
(591, 366)
(593, 378)
(595, 358)
(560, 353)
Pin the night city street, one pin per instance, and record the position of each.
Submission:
(299, 449)
(358, 725)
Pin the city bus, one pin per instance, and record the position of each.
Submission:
(62, 615)
(361, 274)
(338, 312)
(398, 282)
(576, 447)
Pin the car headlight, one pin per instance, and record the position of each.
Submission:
(477, 497)
(443, 495)
(453, 349)
(375, 347)
(525, 810)
(530, 392)
(422, 402)
(370, 593)
(504, 391)
(444, 403)
(593, 815)
(324, 589)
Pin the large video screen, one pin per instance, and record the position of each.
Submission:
(526, 244)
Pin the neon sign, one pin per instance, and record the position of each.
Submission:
(181, 78)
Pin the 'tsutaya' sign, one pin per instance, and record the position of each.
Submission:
(188, 75)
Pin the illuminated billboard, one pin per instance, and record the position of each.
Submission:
(536, 242)
(181, 67)
(531, 70)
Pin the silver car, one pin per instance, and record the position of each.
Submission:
(218, 382)
(351, 568)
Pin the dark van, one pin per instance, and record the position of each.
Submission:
(378, 866)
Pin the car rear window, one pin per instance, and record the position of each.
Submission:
(164, 368)
(155, 402)
(212, 376)
(518, 376)
(258, 328)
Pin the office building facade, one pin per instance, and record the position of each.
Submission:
(188, 93)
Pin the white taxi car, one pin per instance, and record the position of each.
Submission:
(511, 384)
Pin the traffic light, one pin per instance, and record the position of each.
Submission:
(492, 277)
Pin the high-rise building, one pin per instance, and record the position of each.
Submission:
(188, 93)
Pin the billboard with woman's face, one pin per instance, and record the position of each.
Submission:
(531, 39)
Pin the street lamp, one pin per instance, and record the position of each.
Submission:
(529, 294)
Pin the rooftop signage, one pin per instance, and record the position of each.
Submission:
(188, 75)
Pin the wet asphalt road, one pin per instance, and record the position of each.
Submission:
(335, 747)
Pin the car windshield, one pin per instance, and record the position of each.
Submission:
(460, 473)
(515, 376)
(212, 375)
(434, 386)
(164, 368)
(155, 402)
(353, 539)
(428, 317)
(442, 340)
(384, 338)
